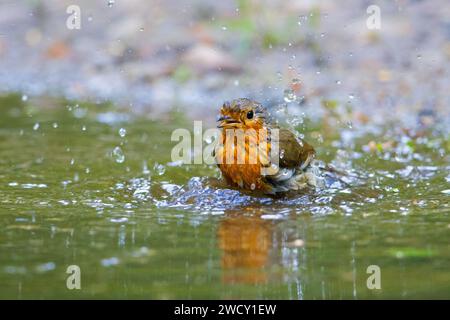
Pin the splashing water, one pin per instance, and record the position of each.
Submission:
(62, 192)
(122, 132)
(289, 95)
(118, 155)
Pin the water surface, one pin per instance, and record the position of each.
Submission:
(77, 190)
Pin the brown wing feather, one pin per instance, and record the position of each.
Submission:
(294, 152)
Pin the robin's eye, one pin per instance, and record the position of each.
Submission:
(250, 115)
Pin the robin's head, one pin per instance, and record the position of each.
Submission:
(242, 114)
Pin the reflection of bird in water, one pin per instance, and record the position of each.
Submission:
(245, 242)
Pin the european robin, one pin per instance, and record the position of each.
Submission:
(255, 154)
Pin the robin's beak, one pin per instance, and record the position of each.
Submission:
(226, 121)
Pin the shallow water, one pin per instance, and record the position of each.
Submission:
(140, 226)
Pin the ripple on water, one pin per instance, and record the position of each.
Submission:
(110, 262)
(45, 267)
(416, 173)
(119, 220)
(28, 185)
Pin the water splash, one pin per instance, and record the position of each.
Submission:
(122, 132)
(289, 95)
(118, 155)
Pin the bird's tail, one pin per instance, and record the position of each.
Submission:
(321, 175)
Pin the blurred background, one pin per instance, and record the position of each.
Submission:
(150, 56)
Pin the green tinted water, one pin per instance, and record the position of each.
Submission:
(149, 228)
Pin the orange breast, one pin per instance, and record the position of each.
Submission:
(240, 162)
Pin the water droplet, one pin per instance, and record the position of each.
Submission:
(296, 81)
(289, 95)
(177, 163)
(159, 169)
(122, 132)
(224, 28)
(128, 206)
(36, 126)
(419, 56)
(351, 96)
(90, 18)
(236, 83)
(302, 19)
(208, 139)
(141, 29)
(322, 35)
(296, 120)
(111, 3)
(45, 267)
(55, 125)
(24, 97)
(280, 110)
(110, 262)
(145, 168)
(72, 162)
(349, 124)
(83, 128)
(119, 220)
(279, 76)
(118, 155)
(338, 82)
